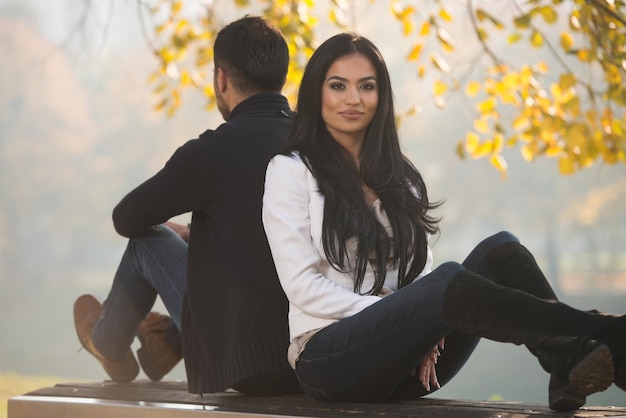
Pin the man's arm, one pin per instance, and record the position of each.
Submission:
(174, 190)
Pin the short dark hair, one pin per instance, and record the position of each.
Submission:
(254, 54)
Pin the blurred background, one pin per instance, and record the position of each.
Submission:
(78, 130)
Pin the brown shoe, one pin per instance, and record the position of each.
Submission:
(87, 311)
(157, 355)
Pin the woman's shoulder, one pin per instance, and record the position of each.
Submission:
(290, 162)
(289, 169)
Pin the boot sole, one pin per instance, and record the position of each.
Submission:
(593, 373)
(620, 377)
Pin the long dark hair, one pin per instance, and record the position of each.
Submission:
(383, 168)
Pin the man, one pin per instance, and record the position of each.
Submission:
(221, 289)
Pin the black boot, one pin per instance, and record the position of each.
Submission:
(478, 306)
(512, 265)
(571, 362)
(575, 365)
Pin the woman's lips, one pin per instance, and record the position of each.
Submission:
(351, 114)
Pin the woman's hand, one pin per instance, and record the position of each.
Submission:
(427, 372)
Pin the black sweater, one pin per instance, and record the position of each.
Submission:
(235, 313)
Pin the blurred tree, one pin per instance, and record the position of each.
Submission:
(573, 109)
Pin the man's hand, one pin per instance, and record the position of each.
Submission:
(181, 230)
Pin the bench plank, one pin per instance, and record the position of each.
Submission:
(171, 400)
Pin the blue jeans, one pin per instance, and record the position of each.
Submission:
(369, 356)
(153, 264)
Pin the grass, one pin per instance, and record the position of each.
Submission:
(13, 385)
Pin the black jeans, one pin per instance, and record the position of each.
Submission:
(369, 356)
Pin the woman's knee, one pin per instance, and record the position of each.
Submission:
(490, 243)
(498, 239)
(448, 269)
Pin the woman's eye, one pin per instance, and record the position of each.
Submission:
(336, 86)
(368, 87)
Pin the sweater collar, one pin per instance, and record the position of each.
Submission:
(261, 102)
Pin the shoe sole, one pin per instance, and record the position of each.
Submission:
(154, 371)
(147, 366)
(593, 373)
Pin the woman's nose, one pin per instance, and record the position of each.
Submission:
(353, 96)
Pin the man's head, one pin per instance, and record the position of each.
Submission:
(253, 55)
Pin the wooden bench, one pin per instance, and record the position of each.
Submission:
(171, 400)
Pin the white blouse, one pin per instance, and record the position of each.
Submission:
(319, 295)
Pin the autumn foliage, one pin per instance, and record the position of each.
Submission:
(572, 108)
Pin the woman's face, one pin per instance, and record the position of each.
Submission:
(349, 98)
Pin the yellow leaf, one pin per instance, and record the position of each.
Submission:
(421, 71)
(487, 106)
(514, 38)
(161, 104)
(439, 88)
(425, 30)
(499, 163)
(542, 67)
(481, 125)
(176, 98)
(407, 27)
(536, 39)
(549, 14)
(583, 55)
(482, 34)
(566, 81)
(498, 143)
(520, 123)
(160, 88)
(512, 141)
(481, 14)
(208, 90)
(185, 78)
(335, 18)
(472, 141)
(553, 150)
(522, 22)
(445, 39)
(406, 13)
(443, 13)
(177, 7)
(566, 165)
(527, 153)
(484, 149)
(415, 52)
(566, 41)
(440, 63)
(472, 89)
(460, 149)
(180, 27)
(159, 29)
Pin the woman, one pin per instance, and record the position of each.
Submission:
(347, 219)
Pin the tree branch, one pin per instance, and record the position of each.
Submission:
(140, 6)
(602, 5)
